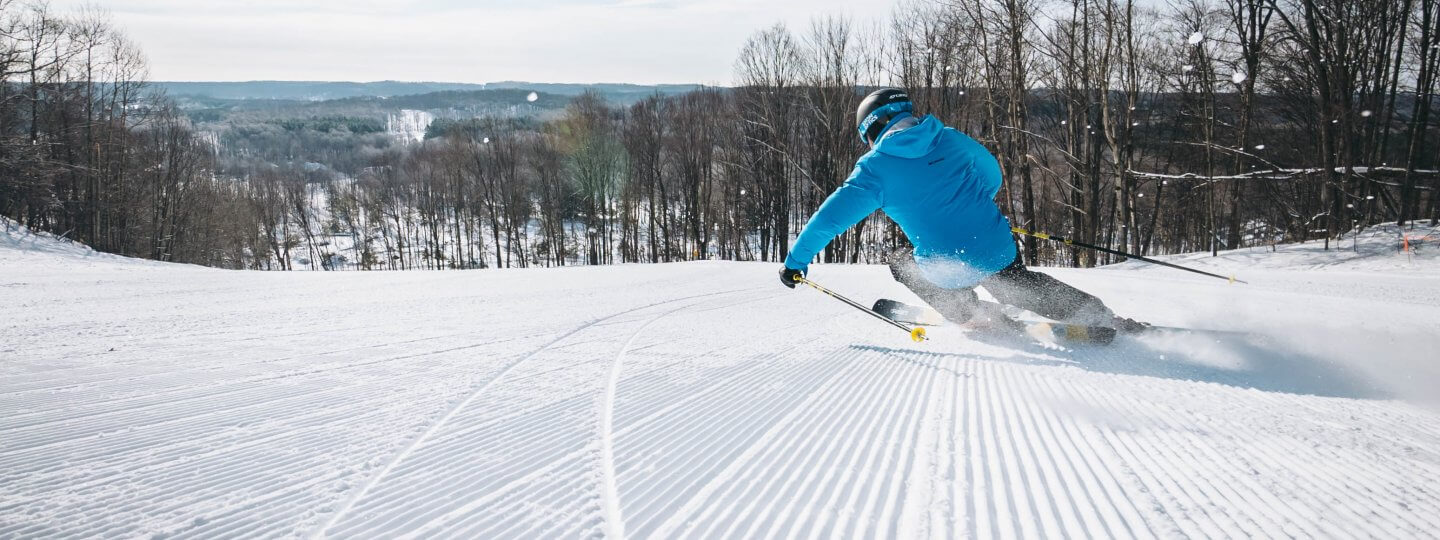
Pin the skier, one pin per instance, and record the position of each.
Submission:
(939, 185)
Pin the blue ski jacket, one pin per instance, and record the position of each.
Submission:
(939, 185)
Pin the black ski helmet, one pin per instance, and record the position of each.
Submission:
(878, 109)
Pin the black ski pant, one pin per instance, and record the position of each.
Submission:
(1015, 286)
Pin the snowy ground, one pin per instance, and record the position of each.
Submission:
(703, 399)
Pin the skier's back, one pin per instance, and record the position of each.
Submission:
(939, 185)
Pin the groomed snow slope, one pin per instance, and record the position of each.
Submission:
(700, 399)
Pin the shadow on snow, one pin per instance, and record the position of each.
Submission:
(1239, 360)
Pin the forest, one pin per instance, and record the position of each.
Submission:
(1197, 125)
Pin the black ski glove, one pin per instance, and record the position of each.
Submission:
(789, 276)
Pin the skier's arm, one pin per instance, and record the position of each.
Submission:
(857, 198)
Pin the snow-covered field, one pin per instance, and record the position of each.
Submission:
(704, 399)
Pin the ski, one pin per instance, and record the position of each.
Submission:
(927, 316)
(907, 313)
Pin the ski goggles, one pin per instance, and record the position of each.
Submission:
(882, 116)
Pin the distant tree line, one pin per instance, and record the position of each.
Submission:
(1201, 125)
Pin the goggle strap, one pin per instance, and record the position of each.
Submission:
(887, 112)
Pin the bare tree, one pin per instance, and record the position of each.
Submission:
(768, 70)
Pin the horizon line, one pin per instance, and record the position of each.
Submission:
(508, 81)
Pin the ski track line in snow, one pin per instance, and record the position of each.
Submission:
(614, 519)
(610, 494)
(578, 459)
(594, 324)
(659, 431)
(462, 520)
(471, 517)
(400, 456)
(429, 490)
(787, 454)
(566, 463)
(740, 428)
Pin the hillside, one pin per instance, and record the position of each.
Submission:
(344, 126)
(332, 90)
(704, 399)
(306, 90)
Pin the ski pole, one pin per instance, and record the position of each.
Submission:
(1070, 242)
(917, 333)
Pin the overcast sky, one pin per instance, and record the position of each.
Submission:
(634, 41)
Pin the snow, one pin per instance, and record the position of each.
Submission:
(1281, 174)
(409, 126)
(704, 399)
